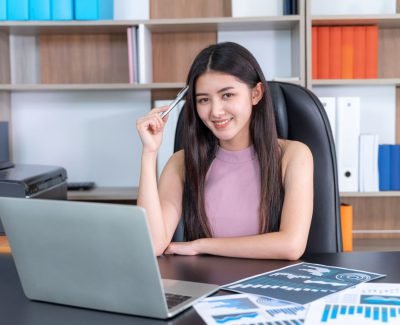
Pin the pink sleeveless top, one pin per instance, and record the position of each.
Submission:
(232, 193)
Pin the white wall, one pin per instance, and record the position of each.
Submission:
(90, 133)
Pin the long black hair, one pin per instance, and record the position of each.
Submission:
(200, 145)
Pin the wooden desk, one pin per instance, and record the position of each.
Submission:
(16, 309)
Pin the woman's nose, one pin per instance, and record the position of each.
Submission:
(217, 108)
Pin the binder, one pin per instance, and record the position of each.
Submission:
(251, 8)
(346, 221)
(368, 167)
(371, 52)
(132, 54)
(287, 7)
(395, 167)
(329, 104)
(17, 10)
(359, 52)
(384, 167)
(94, 9)
(39, 9)
(131, 9)
(144, 54)
(347, 52)
(348, 132)
(335, 70)
(323, 52)
(3, 9)
(62, 9)
(314, 53)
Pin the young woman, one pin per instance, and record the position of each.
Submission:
(240, 190)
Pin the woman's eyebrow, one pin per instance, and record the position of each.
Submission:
(219, 91)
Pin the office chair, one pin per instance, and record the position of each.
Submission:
(300, 116)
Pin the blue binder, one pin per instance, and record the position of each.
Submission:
(17, 10)
(94, 9)
(395, 168)
(3, 9)
(384, 162)
(39, 9)
(62, 9)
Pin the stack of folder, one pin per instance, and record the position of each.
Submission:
(344, 52)
(56, 9)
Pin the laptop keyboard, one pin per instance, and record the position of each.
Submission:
(174, 300)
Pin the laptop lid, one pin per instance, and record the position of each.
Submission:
(89, 255)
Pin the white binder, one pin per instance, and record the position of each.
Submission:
(368, 166)
(329, 104)
(348, 132)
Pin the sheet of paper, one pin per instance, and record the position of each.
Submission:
(247, 309)
(367, 303)
(302, 283)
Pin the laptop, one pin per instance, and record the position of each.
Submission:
(92, 255)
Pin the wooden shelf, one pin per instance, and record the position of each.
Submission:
(222, 24)
(211, 24)
(105, 194)
(84, 87)
(383, 21)
(371, 194)
(357, 82)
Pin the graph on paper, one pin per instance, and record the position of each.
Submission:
(355, 314)
(366, 303)
(302, 283)
(249, 310)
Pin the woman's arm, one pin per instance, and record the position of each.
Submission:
(290, 241)
(159, 204)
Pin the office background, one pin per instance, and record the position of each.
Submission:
(72, 89)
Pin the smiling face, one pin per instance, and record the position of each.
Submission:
(225, 104)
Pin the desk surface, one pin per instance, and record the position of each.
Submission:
(17, 310)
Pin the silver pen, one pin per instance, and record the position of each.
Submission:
(178, 98)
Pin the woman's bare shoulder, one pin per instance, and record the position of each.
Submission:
(294, 152)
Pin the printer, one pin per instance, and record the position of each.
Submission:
(33, 181)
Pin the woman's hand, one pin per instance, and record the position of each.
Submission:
(182, 248)
(150, 129)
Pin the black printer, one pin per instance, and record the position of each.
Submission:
(33, 181)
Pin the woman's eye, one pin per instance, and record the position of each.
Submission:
(228, 95)
(202, 100)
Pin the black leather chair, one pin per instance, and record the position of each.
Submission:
(300, 116)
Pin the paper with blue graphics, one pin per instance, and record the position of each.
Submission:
(302, 283)
(367, 303)
(247, 309)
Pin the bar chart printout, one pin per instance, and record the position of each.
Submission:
(368, 303)
(246, 309)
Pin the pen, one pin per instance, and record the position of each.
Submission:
(178, 98)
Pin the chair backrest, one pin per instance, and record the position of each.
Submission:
(300, 116)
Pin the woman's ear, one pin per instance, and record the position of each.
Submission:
(257, 93)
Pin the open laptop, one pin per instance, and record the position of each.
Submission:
(92, 255)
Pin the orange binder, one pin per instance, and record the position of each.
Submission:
(346, 220)
(347, 52)
(314, 53)
(336, 50)
(359, 52)
(323, 42)
(371, 52)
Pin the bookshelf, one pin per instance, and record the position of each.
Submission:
(375, 213)
(78, 70)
